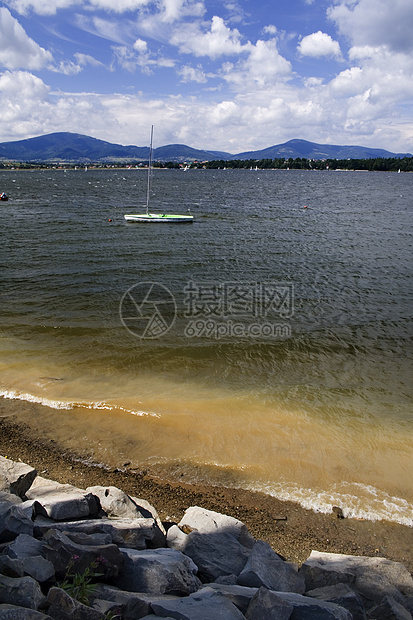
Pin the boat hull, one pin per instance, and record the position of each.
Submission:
(159, 218)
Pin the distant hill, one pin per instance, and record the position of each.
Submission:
(78, 148)
(312, 150)
(74, 147)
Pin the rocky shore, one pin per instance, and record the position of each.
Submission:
(75, 543)
(100, 554)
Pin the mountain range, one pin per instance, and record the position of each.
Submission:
(78, 148)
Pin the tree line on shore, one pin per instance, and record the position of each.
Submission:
(382, 164)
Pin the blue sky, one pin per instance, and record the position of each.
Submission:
(233, 75)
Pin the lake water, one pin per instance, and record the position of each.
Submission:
(268, 345)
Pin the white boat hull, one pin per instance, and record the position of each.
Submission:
(159, 218)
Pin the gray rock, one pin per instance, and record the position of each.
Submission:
(16, 477)
(7, 498)
(240, 596)
(176, 538)
(28, 553)
(267, 605)
(61, 606)
(389, 609)
(12, 612)
(215, 554)
(132, 605)
(372, 578)
(306, 608)
(341, 594)
(21, 591)
(11, 567)
(210, 522)
(148, 511)
(202, 605)
(265, 568)
(24, 546)
(132, 533)
(13, 521)
(157, 571)
(61, 551)
(62, 501)
(117, 503)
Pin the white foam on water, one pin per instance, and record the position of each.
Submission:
(68, 405)
(357, 501)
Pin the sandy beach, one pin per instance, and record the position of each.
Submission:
(292, 531)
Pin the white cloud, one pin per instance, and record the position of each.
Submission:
(192, 74)
(17, 50)
(376, 22)
(86, 59)
(140, 46)
(272, 30)
(41, 7)
(51, 7)
(173, 10)
(262, 69)
(319, 44)
(218, 41)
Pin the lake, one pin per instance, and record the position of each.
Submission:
(268, 345)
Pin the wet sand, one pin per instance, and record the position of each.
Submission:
(292, 531)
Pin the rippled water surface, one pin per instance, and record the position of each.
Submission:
(282, 363)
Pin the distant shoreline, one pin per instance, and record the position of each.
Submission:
(291, 530)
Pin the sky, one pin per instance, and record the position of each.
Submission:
(229, 75)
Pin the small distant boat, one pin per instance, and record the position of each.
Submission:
(3, 196)
(163, 218)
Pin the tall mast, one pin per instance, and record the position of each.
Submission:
(149, 174)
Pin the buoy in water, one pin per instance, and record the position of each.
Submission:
(109, 220)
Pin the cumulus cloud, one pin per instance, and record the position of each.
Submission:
(17, 50)
(218, 41)
(376, 22)
(319, 44)
(192, 74)
(263, 67)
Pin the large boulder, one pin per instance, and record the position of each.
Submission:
(61, 551)
(63, 502)
(130, 605)
(372, 578)
(116, 503)
(389, 609)
(267, 605)
(13, 521)
(15, 477)
(206, 604)
(215, 554)
(157, 571)
(13, 612)
(29, 552)
(218, 544)
(20, 591)
(265, 568)
(132, 533)
(306, 608)
(60, 606)
(341, 594)
(210, 522)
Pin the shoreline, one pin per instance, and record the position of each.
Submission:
(292, 531)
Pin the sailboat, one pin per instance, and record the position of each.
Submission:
(164, 218)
